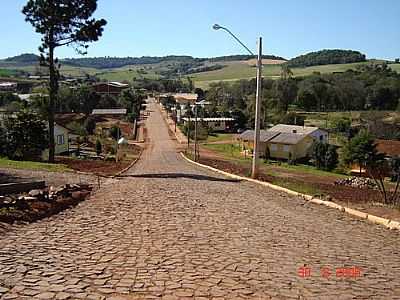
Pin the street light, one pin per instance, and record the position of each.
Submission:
(255, 168)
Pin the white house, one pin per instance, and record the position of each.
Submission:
(316, 133)
(61, 140)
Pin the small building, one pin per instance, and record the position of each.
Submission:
(214, 124)
(185, 98)
(61, 141)
(290, 146)
(316, 133)
(110, 88)
(8, 86)
(284, 141)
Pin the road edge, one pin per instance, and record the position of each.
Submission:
(390, 224)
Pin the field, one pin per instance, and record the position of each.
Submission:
(239, 70)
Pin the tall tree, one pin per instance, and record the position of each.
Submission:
(61, 23)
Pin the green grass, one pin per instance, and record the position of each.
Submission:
(306, 169)
(303, 188)
(240, 70)
(30, 165)
(220, 137)
(395, 67)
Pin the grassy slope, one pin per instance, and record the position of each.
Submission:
(29, 165)
(235, 71)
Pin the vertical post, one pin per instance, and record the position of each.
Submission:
(255, 167)
(188, 128)
(195, 132)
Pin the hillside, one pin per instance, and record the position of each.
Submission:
(327, 57)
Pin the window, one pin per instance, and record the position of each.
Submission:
(60, 139)
(274, 147)
(321, 138)
(286, 148)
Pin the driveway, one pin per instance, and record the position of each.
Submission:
(168, 230)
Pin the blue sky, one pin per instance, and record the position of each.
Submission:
(289, 27)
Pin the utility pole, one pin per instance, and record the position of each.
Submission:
(255, 166)
(195, 132)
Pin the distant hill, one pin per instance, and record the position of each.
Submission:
(243, 57)
(23, 59)
(327, 57)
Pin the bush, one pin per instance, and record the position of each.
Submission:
(325, 156)
(26, 136)
(115, 132)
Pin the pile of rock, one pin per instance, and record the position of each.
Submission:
(77, 192)
(357, 182)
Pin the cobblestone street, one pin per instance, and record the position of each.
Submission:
(169, 230)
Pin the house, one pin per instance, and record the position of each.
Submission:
(214, 124)
(284, 141)
(110, 88)
(247, 141)
(290, 146)
(61, 140)
(316, 133)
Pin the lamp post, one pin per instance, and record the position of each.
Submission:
(255, 167)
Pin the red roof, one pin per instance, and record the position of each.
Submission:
(389, 147)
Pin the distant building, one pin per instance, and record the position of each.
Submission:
(110, 88)
(214, 124)
(111, 112)
(8, 86)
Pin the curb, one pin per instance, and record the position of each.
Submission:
(371, 218)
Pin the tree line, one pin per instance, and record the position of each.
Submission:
(326, 57)
(371, 87)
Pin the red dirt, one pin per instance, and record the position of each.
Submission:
(98, 167)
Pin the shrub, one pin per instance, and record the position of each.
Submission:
(325, 156)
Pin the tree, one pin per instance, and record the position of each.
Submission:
(61, 23)
(115, 132)
(26, 136)
(325, 156)
(90, 125)
(360, 149)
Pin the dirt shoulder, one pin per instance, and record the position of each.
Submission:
(324, 187)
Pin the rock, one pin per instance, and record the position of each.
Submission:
(78, 195)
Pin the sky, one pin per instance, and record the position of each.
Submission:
(184, 27)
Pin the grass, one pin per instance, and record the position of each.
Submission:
(220, 137)
(303, 188)
(30, 165)
(239, 70)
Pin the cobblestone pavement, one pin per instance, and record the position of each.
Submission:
(170, 231)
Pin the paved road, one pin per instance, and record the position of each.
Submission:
(171, 231)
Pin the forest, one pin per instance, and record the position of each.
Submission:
(326, 57)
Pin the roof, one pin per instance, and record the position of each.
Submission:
(283, 128)
(116, 111)
(389, 147)
(8, 84)
(209, 119)
(288, 138)
(113, 84)
(185, 96)
(265, 135)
